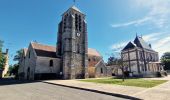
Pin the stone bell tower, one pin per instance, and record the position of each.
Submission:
(72, 45)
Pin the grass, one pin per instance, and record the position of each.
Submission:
(128, 82)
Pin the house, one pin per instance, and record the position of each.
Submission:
(140, 59)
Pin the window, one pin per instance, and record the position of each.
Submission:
(79, 23)
(141, 56)
(76, 21)
(51, 63)
(78, 48)
(101, 70)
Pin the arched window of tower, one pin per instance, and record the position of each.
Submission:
(76, 21)
(79, 23)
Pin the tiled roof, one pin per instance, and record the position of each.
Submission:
(93, 52)
(50, 51)
(44, 53)
(44, 50)
(43, 47)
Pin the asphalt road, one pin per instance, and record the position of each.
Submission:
(16, 90)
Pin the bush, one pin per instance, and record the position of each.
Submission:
(164, 73)
(158, 74)
(126, 73)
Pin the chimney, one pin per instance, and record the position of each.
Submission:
(7, 51)
(150, 46)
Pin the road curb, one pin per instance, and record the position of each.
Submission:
(97, 91)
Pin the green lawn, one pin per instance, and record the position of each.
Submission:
(127, 82)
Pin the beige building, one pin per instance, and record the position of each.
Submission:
(6, 67)
(140, 59)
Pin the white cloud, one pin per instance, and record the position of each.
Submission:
(134, 22)
(158, 15)
(160, 42)
(118, 46)
(152, 37)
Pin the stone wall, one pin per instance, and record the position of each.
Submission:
(30, 63)
(43, 65)
(21, 68)
(101, 69)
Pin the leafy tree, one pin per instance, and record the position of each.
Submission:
(14, 69)
(111, 60)
(2, 57)
(18, 55)
(165, 59)
(117, 60)
(2, 60)
(1, 45)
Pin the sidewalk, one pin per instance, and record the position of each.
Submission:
(161, 92)
(115, 90)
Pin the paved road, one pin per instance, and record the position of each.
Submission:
(15, 90)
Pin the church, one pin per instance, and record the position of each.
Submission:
(69, 59)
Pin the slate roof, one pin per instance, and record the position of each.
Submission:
(138, 42)
(75, 8)
(129, 46)
(141, 43)
(50, 51)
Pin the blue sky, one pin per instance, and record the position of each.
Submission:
(111, 23)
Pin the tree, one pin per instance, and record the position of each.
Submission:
(2, 61)
(165, 59)
(116, 58)
(18, 55)
(1, 45)
(111, 60)
(14, 69)
(2, 57)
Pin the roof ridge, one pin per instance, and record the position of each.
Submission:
(42, 44)
(75, 8)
